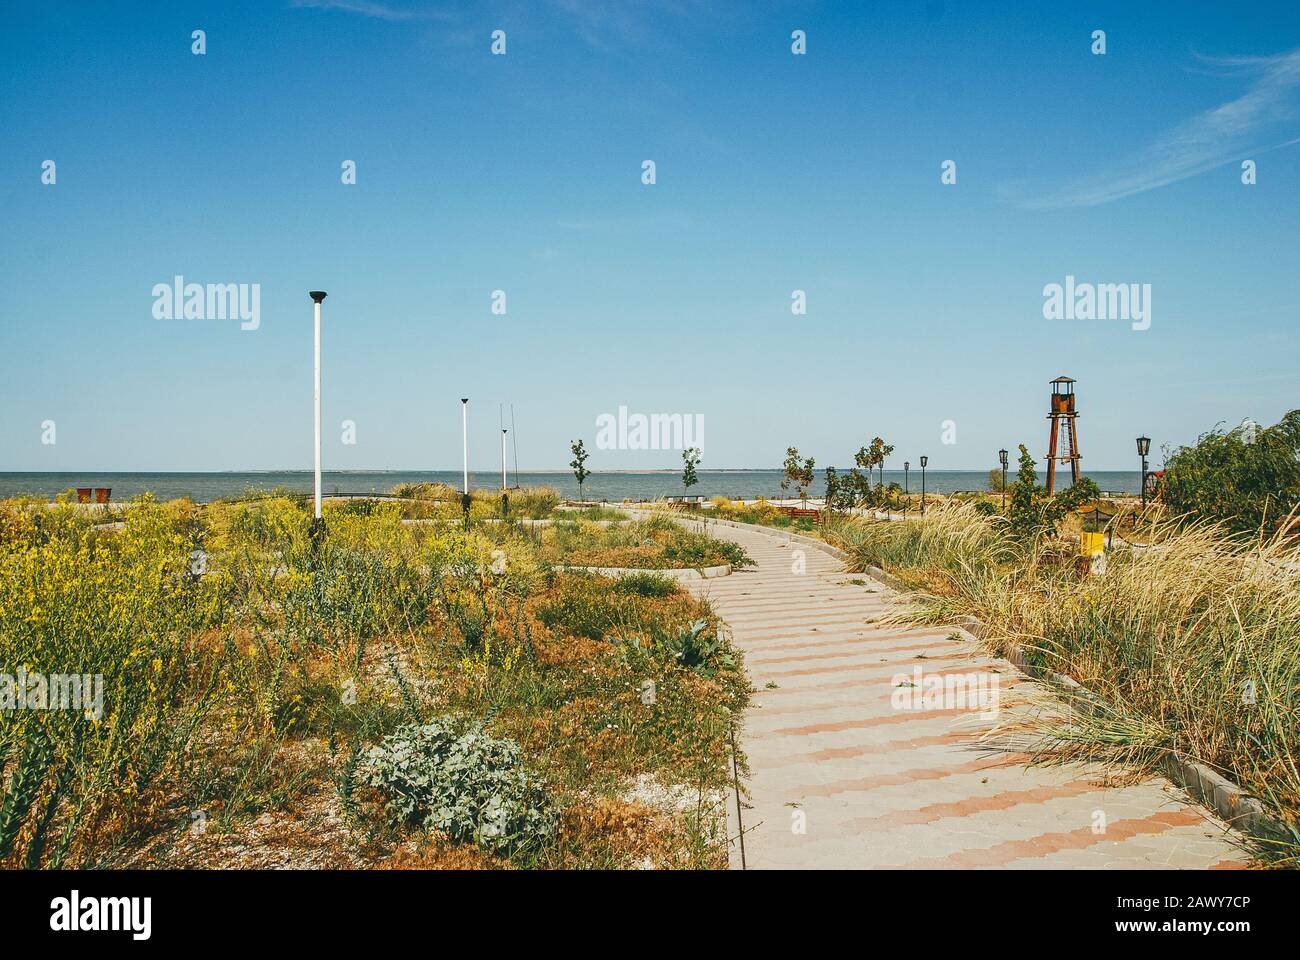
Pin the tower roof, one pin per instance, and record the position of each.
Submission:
(1063, 379)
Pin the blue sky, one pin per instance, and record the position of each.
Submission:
(522, 173)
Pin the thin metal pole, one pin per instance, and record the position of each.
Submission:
(464, 441)
(317, 410)
(735, 779)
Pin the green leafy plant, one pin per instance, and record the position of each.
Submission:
(469, 786)
(1033, 513)
(698, 647)
(690, 460)
(579, 464)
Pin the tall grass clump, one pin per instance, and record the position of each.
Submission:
(1190, 647)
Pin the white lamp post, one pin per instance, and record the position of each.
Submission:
(317, 296)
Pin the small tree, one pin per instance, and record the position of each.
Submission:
(805, 479)
(798, 472)
(832, 479)
(790, 467)
(690, 460)
(1033, 513)
(579, 464)
(877, 454)
(995, 480)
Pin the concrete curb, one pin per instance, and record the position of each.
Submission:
(1233, 804)
(680, 573)
(773, 532)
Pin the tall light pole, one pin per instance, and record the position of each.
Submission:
(317, 296)
(1144, 447)
(907, 465)
(1002, 459)
(464, 447)
(924, 461)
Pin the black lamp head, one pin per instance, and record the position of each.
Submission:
(1002, 457)
(1144, 446)
(907, 464)
(464, 399)
(317, 295)
(924, 461)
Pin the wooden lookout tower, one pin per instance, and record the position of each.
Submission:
(1063, 417)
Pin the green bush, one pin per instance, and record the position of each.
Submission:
(646, 585)
(468, 786)
(698, 647)
(1226, 477)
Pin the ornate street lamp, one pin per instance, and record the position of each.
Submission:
(1144, 447)
(924, 461)
(906, 466)
(505, 497)
(1002, 459)
(464, 443)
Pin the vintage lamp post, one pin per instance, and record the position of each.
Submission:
(1144, 447)
(318, 523)
(924, 461)
(1002, 459)
(505, 497)
(464, 446)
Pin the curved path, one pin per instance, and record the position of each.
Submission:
(844, 775)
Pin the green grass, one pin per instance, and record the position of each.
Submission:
(252, 691)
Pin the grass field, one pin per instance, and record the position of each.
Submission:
(398, 695)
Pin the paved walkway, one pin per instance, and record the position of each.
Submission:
(842, 776)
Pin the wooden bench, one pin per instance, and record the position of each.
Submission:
(799, 513)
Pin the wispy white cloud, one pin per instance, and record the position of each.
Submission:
(605, 26)
(372, 8)
(1233, 131)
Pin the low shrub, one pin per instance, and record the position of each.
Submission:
(468, 786)
(646, 585)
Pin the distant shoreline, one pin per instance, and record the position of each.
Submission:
(613, 485)
(97, 471)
